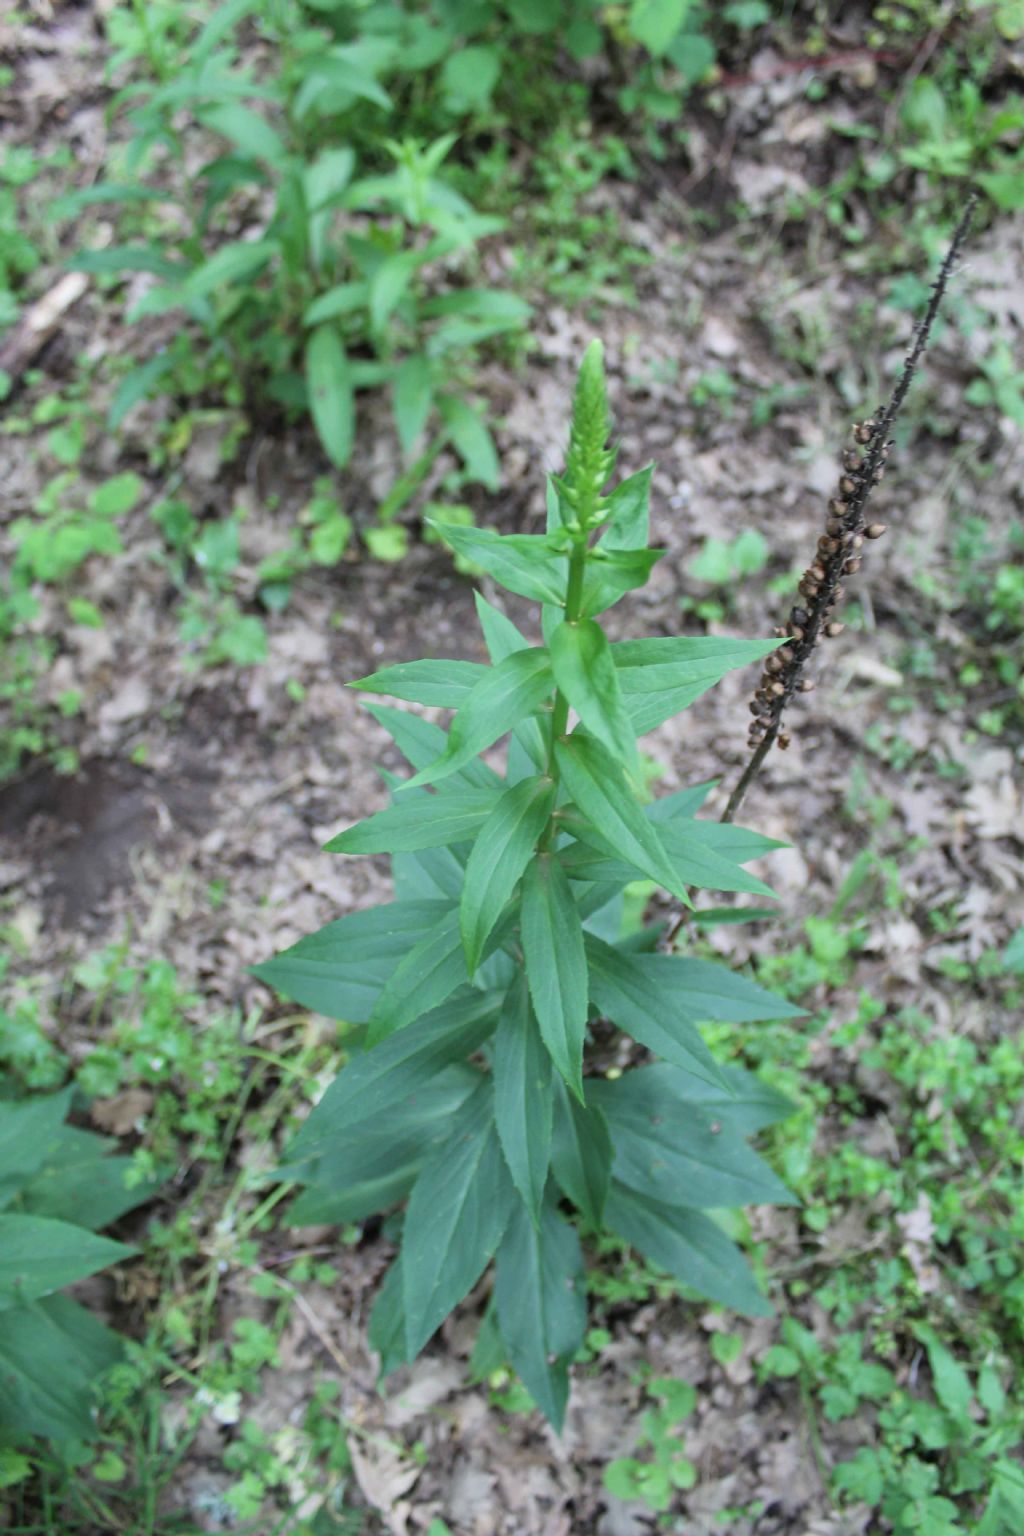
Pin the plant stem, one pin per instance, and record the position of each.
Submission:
(560, 711)
(849, 522)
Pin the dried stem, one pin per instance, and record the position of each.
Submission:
(839, 548)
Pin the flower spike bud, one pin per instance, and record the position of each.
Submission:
(589, 461)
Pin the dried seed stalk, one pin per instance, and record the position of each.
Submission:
(840, 549)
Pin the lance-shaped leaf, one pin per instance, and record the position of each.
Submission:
(594, 857)
(384, 1081)
(444, 684)
(386, 1332)
(423, 743)
(540, 1292)
(39, 1255)
(584, 672)
(598, 786)
(626, 990)
(459, 1207)
(660, 677)
(527, 563)
(689, 1245)
(502, 638)
(610, 574)
(523, 1096)
(340, 970)
(507, 694)
(500, 854)
(582, 1154)
(628, 513)
(51, 1356)
(329, 386)
(556, 965)
(677, 1151)
(430, 972)
(416, 822)
(371, 1165)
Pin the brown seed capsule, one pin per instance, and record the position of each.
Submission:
(827, 546)
(795, 632)
(806, 685)
(785, 655)
(879, 474)
(816, 573)
(852, 567)
(834, 629)
(784, 740)
(838, 508)
(755, 708)
(851, 459)
(856, 542)
(808, 589)
(837, 596)
(777, 690)
(833, 526)
(798, 615)
(773, 664)
(865, 431)
(847, 486)
(874, 530)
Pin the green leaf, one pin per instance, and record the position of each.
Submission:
(38, 1255)
(628, 513)
(443, 684)
(81, 1184)
(581, 660)
(952, 1383)
(540, 1291)
(468, 432)
(344, 299)
(712, 991)
(329, 385)
(625, 988)
(680, 1156)
(51, 1354)
(656, 22)
(582, 1155)
(556, 965)
(252, 133)
(29, 1130)
(430, 972)
(469, 76)
(389, 284)
(422, 743)
(609, 578)
(379, 1082)
(661, 677)
(371, 1165)
(526, 563)
(387, 1321)
(689, 1245)
(598, 786)
(129, 258)
(231, 264)
(501, 852)
(427, 821)
(340, 970)
(412, 392)
(507, 694)
(523, 1097)
(502, 638)
(460, 1206)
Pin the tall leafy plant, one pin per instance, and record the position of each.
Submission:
(475, 1100)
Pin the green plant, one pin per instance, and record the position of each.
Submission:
(654, 1478)
(347, 285)
(57, 1187)
(474, 1098)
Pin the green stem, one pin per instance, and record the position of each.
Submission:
(560, 712)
